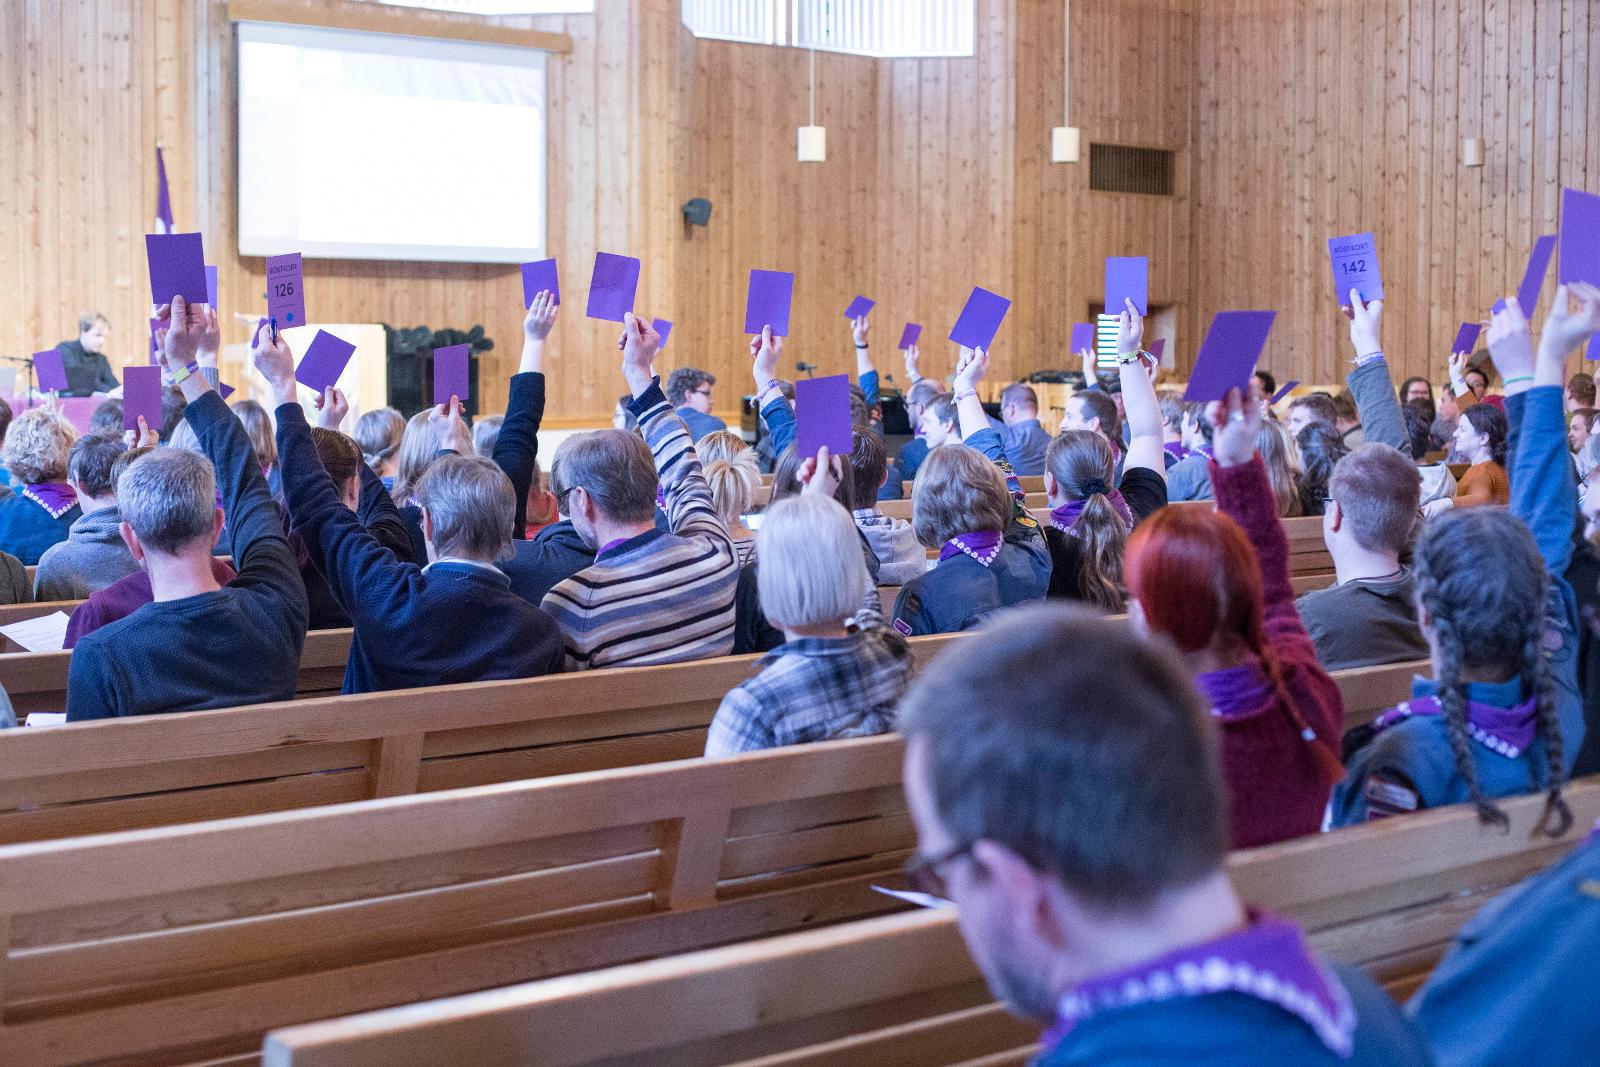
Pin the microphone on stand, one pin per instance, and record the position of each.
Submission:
(805, 367)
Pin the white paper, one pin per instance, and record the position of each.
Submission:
(921, 900)
(48, 633)
(46, 718)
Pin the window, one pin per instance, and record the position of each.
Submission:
(751, 21)
(502, 7)
(883, 28)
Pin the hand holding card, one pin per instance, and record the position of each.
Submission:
(286, 293)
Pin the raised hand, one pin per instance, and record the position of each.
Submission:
(821, 474)
(187, 325)
(639, 342)
(210, 340)
(970, 369)
(449, 429)
(764, 351)
(1235, 421)
(332, 407)
(541, 316)
(1130, 330)
(858, 329)
(1573, 319)
(1510, 344)
(1365, 320)
(143, 437)
(273, 359)
(913, 357)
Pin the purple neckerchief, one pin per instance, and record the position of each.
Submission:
(661, 497)
(1205, 450)
(411, 502)
(1175, 449)
(1237, 692)
(1507, 731)
(981, 545)
(1268, 959)
(1065, 518)
(57, 498)
(609, 545)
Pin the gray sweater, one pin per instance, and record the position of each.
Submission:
(91, 558)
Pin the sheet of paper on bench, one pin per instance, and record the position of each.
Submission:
(46, 718)
(911, 896)
(47, 633)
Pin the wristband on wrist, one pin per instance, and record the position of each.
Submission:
(1461, 388)
(184, 374)
(1519, 378)
(962, 396)
(1363, 360)
(860, 347)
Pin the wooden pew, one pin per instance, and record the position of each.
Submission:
(1031, 483)
(10, 613)
(901, 509)
(901, 989)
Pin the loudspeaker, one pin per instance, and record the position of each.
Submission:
(697, 211)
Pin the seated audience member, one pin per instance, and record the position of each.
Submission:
(1580, 392)
(965, 503)
(1370, 616)
(937, 426)
(1481, 442)
(621, 417)
(485, 432)
(1089, 519)
(729, 466)
(172, 404)
(7, 482)
(107, 417)
(1476, 379)
(1503, 714)
(1171, 404)
(419, 444)
(379, 433)
(1347, 420)
(1412, 389)
(1269, 384)
(919, 397)
(1580, 422)
(88, 369)
(44, 506)
(556, 552)
(894, 544)
(689, 392)
(1320, 447)
(1216, 583)
(1094, 410)
(1437, 481)
(197, 644)
(841, 670)
(542, 509)
(650, 596)
(1094, 895)
(1282, 460)
(1443, 431)
(94, 554)
(1312, 407)
(1024, 438)
(1190, 477)
(414, 626)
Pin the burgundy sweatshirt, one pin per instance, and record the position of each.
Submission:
(1277, 786)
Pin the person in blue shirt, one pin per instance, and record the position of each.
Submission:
(689, 392)
(1025, 440)
(1094, 895)
(1503, 715)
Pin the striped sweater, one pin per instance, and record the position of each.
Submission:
(659, 597)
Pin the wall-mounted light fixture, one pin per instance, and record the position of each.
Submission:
(1472, 151)
(812, 146)
(1064, 138)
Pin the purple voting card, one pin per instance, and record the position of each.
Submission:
(768, 300)
(613, 286)
(1082, 337)
(1593, 351)
(451, 374)
(859, 307)
(1355, 266)
(51, 370)
(540, 277)
(1127, 278)
(1580, 238)
(323, 362)
(1281, 393)
(1533, 277)
(980, 319)
(1157, 347)
(1500, 305)
(1227, 357)
(141, 395)
(1466, 337)
(663, 328)
(286, 291)
(225, 389)
(909, 335)
(211, 286)
(155, 345)
(822, 415)
(177, 267)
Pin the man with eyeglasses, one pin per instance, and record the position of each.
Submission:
(689, 392)
(1082, 833)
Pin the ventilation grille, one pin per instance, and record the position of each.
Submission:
(1115, 168)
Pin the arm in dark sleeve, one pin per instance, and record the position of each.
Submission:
(382, 519)
(1378, 405)
(779, 417)
(107, 378)
(91, 690)
(516, 450)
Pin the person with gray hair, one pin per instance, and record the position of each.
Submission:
(198, 644)
(1024, 438)
(94, 554)
(415, 626)
(841, 670)
(689, 392)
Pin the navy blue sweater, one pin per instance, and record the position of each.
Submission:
(27, 530)
(238, 645)
(447, 623)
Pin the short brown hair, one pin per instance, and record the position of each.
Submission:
(958, 490)
(1378, 489)
(258, 427)
(869, 462)
(1344, 406)
(87, 320)
(616, 469)
(1581, 388)
(91, 464)
(1063, 779)
(340, 456)
(685, 380)
(1318, 405)
(1021, 394)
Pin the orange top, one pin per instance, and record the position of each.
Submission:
(1483, 483)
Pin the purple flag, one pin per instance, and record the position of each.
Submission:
(980, 319)
(177, 267)
(822, 415)
(1533, 276)
(613, 286)
(452, 376)
(51, 370)
(323, 362)
(1127, 278)
(1281, 393)
(664, 328)
(768, 301)
(1580, 238)
(1082, 337)
(909, 335)
(540, 277)
(286, 290)
(163, 199)
(1228, 356)
(1466, 337)
(141, 395)
(859, 307)
(1355, 266)
(211, 286)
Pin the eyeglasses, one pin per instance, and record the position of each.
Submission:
(561, 498)
(702, 392)
(922, 872)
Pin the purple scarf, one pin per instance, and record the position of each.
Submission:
(1268, 960)
(1175, 450)
(1507, 731)
(57, 498)
(981, 545)
(1236, 693)
(1065, 518)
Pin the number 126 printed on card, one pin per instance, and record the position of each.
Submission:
(286, 297)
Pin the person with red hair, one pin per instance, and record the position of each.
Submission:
(1216, 584)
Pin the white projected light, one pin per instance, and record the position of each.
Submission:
(373, 146)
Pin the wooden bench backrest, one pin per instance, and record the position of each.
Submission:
(901, 509)
(179, 943)
(1308, 552)
(901, 989)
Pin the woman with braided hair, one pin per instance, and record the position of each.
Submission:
(1502, 715)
